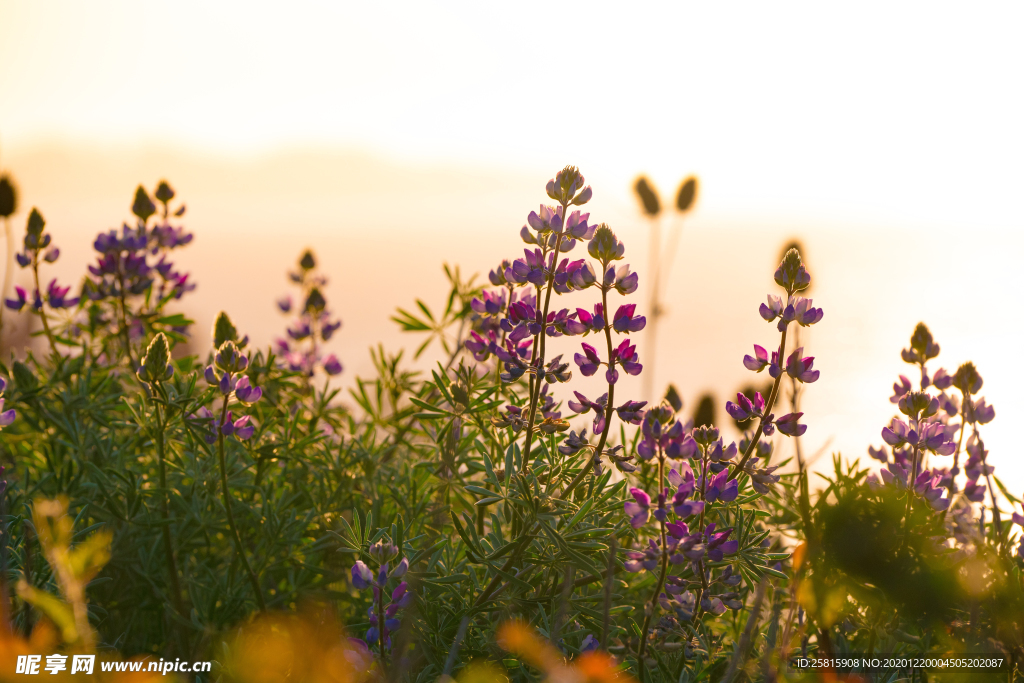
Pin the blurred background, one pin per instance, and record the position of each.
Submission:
(394, 137)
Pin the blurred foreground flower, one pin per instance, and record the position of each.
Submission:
(305, 647)
(591, 666)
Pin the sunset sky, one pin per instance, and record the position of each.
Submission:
(395, 136)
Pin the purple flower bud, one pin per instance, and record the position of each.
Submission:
(399, 571)
(332, 366)
(285, 304)
(361, 575)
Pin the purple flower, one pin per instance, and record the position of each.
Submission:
(973, 491)
(718, 488)
(18, 303)
(645, 559)
(590, 322)
(790, 426)
(638, 510)
(631, 412)
(744, 408)
(625, 322)
(942, 379)
(588, 362)
(801, 368)
(928, 486)
(332, 366)
(978, 412)
(491, 304)
(773, 309)
(757, 362)
(361, 575)
(800, 311)
(900, 388)
(627, 357)
(685, 486)
(6, 417)
(881, 454)
(624, 281)
(246, 393)
(717, 543)
(242, 428)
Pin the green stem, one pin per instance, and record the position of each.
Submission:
(172, 567)
(661, 577)
(910, 497)
(227, 506)
(543, 338)
(767, 410)
(514, 557)
(380, 625)
(8, 268)
(42, 310)
(123, 311)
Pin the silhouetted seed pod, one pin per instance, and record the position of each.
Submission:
(8, 197)
(143, 206)
(673, 398)
(164, 193)
(687, 193)
(648, 197)
(704, 416)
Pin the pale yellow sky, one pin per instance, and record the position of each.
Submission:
(888, 137)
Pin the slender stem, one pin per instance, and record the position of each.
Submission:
(123, 311)
(609, 584)
(960, 441)
(227, 506)
(165, 516)
(661, 577)
(514, 556)
(910, 498)
(8, 268)
(608, 407)
(767, 410)
(655, 307)
(380, 625)
(42, 309)
(539, 365)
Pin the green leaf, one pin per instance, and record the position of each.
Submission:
(454, 578)
(584, 509)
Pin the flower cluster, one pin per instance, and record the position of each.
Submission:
(935, 422)
(383, 617)
(36, 249)
(313, 326)
(225, 374)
